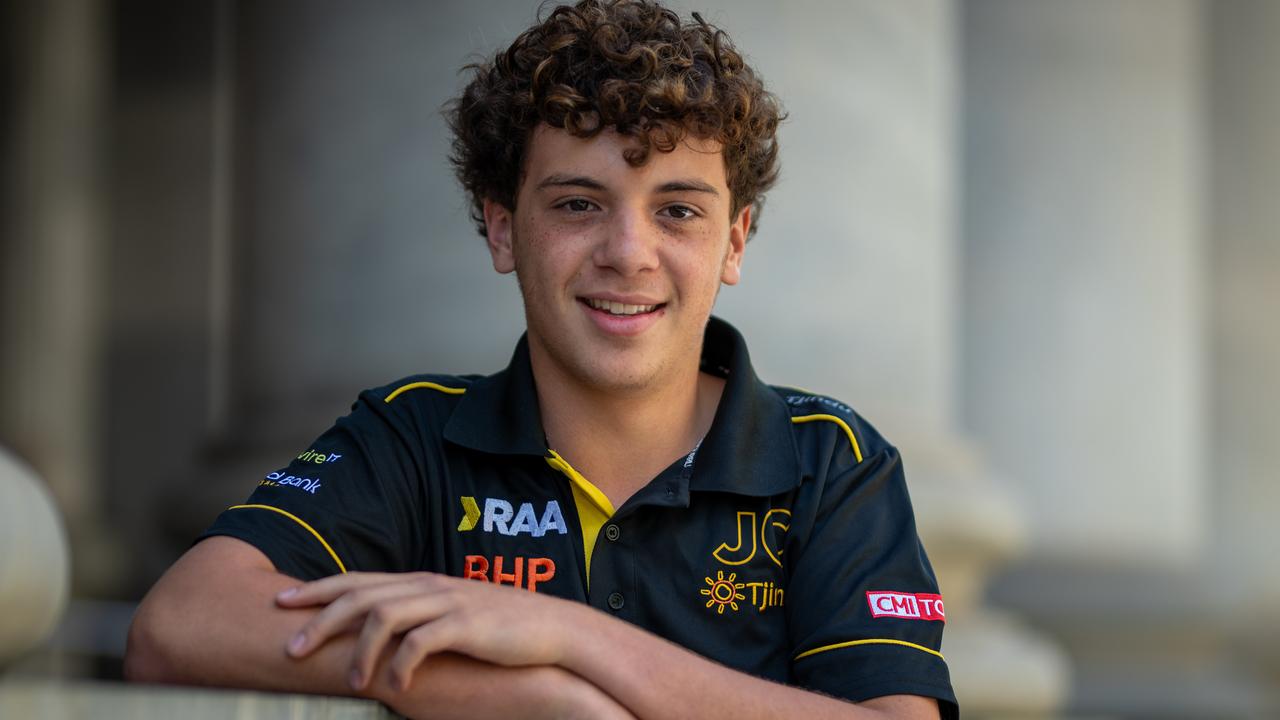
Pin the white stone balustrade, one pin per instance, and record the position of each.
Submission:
(34, 561)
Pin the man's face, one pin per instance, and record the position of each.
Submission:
(619, 266)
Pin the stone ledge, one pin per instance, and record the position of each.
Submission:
(22, 697)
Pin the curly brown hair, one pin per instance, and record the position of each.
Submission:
(630, 65)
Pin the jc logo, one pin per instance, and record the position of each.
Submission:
(752, 535)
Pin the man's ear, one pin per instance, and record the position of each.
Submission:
(498, 227)
(731, 271)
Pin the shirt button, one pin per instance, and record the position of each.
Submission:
(612, 532)
(615, 601)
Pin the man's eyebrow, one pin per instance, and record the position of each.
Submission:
(589, 183)
(687, 186)
(570, 180)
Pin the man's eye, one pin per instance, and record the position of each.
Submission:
(679, 212)
(577, 205)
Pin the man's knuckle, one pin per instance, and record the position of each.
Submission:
(382, 614)
(470, 621)
(416, 641)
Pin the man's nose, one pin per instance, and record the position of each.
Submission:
(630, 242)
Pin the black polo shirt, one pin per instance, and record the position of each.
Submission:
(783, 546)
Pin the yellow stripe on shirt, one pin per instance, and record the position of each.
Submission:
(870, 641)
(328, 548)
(857, 451)
(423, 384)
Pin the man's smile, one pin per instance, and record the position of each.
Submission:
(616, 307)
(622, 315)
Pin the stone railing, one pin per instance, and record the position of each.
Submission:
(83, 699)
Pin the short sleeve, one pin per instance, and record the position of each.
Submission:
(865, 613)
(345, 503)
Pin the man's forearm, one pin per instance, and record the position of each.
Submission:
(207, 624)
(628, 663)
(212, 622)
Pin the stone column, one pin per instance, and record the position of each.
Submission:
(1083, 289)
(345, 244)
(1084, 316)
(51, 253)
(1244, 263)
(850, 288)
(352, 238)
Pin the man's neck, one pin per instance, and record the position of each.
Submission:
(621, 441)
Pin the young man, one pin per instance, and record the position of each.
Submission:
(625, 522)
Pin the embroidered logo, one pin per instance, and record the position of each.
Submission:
(723, 592)
(754, 532)
(470, 514)
(279, 477)
(528, 572)
(768, 533)
(503, 518)
(319, 458)
(909, 606)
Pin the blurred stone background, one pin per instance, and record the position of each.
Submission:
(1037, 243)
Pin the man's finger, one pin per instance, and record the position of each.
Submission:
(433, 637)
(327, 589)
(385, 620)
(346, 612)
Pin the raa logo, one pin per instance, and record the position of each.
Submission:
(500, 516)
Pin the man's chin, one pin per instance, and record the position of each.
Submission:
(617, 379)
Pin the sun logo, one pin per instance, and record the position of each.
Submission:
(723, 591)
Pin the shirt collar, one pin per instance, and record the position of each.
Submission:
(499, 413)
(750, 449)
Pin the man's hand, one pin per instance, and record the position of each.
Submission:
(621, 664)
(435, 613)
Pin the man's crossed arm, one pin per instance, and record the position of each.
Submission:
(213, 620)
(427, 644)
